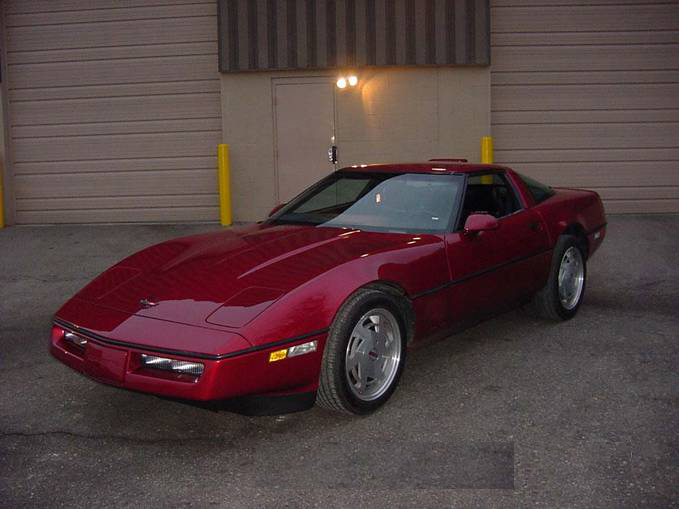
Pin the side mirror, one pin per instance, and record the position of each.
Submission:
(480, 222)
(276, 209)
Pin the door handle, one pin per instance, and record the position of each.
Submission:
(536, 227)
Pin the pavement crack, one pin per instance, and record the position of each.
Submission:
(123, 438)
(39, 279)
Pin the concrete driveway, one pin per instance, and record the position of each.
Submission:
(513, 412)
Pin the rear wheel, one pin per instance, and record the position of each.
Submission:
(364, 355)
(562, 295)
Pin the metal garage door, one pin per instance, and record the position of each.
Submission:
(588, 95)
(114, 109)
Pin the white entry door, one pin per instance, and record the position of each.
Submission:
(305, 126)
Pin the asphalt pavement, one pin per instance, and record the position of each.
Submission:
(515, 412)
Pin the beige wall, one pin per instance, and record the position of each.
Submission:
(394, 115)
(4, 179)
(2, 131)
(588, 96)
(114, 112)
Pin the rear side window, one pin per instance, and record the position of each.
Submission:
(540, 192)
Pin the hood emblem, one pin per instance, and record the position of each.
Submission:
(147, 303)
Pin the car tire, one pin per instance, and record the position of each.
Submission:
(364, 355)
(561, 297)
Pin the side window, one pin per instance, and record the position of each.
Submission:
(489, 193)
(538, 190)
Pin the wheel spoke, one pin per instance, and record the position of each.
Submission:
(361, 333)
(366, 335)
(352, 362)
(366, 370)
(379, 344)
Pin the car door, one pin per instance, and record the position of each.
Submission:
(495, 269)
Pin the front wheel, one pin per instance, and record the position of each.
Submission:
(364, 355)
(562, 295)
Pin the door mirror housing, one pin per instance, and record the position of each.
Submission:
(480, 222)
(276, 209)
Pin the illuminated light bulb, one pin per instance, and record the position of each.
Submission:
(342, 83)
(353, 81)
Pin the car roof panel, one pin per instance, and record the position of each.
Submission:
(428, 167)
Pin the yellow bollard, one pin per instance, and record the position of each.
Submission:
(487, 150)
(224, 184)
(487, 157)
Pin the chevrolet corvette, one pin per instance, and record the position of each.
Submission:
(321, 302)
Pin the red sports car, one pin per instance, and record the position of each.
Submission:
(320, 302)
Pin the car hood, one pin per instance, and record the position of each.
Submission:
(228, 278)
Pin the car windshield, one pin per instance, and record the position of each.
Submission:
(409, 203)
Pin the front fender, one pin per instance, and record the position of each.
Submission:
(312, 307)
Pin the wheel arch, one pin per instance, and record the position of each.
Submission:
(406, 305)
(578, 231)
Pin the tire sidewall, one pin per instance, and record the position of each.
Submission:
(340, 334)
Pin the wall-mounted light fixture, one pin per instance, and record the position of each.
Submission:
(343, 81)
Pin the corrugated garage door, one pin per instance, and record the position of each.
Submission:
(587, 94)
(114, 109)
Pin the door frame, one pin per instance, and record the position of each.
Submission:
(298, 80)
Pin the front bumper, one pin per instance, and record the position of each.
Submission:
(248, 374)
